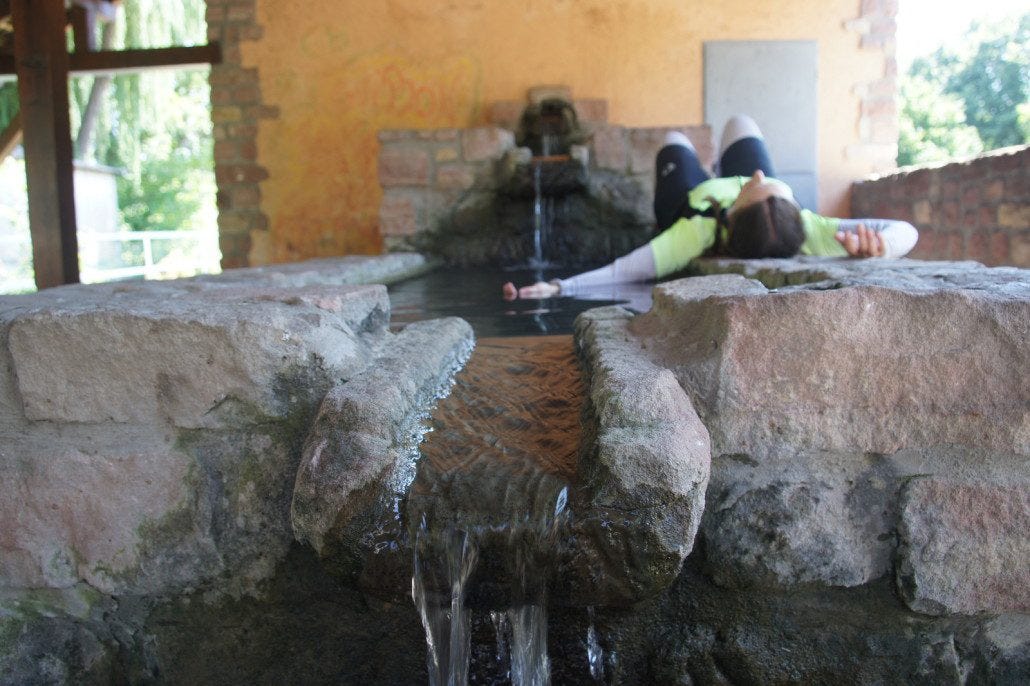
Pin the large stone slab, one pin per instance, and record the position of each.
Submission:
(150, 432)
(862, 368)
(182, 358)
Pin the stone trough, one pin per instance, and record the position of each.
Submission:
(792, 470)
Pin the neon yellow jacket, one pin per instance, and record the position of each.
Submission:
(690, 237)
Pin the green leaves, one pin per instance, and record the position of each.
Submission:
(965, 99)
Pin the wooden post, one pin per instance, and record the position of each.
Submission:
(41, 60)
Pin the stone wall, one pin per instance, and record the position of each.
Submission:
(866, 509)
(975, 209)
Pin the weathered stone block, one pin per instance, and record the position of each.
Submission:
(853, 369)
(397, 215)
(611, 150)
(646, 481)
(354, 455)
(186, 358)
(403, 166)
(964, 546)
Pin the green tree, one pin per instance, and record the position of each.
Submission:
(932, 125)
(988, 78)
(992, 80)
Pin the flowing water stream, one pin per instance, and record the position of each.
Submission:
(490, 499)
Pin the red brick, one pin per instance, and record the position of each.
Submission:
(486, 143)
(946, 215)
(1009, 161)
(226, 151)
(454, 177)
(1019, 249)
(241, 130)
(986, 218)
(241, 12)
(221, 96)
(929, 246)
(953, 247)
(969, 219)
(1013, 215)
(976, 248)
(998, 252)
(255, 112)
(258, 220)
(1017, 187)
(917, 184)
(226, 174)
(246, 196)
(970, 195)
(247, 95)
(397, 216)
(405, 166)
(994, 190)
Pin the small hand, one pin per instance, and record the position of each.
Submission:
(863, 242)
(540, 289)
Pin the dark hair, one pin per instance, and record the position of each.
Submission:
(768, 228)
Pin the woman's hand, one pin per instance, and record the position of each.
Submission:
(540, 289)
(863, 242)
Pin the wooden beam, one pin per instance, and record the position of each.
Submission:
(41, 60)
(122, 61)
(11, 137)
(80, 28)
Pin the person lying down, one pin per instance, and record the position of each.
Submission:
(744, 212)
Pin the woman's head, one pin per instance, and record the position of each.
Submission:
(764, 221)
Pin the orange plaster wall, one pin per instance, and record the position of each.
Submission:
(339, 71)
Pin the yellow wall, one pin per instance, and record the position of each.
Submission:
(340, 70)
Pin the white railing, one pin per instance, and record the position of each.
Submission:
(199, 255)
(204, 255)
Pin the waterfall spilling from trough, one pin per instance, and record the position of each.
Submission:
(489, 502)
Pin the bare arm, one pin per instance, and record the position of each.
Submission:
(630, 268)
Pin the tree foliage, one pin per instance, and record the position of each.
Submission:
(979, 88)
(154, 126)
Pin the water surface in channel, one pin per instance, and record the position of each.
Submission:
(475, 296)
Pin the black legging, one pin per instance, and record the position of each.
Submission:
(678, 171)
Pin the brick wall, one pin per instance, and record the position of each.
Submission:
(236, 109)
(976, 209)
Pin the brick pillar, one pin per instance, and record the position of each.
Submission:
(878, 112)
(236, 109)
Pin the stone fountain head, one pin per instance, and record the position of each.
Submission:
(550, 127)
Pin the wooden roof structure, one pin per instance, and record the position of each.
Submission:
(42, 63)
